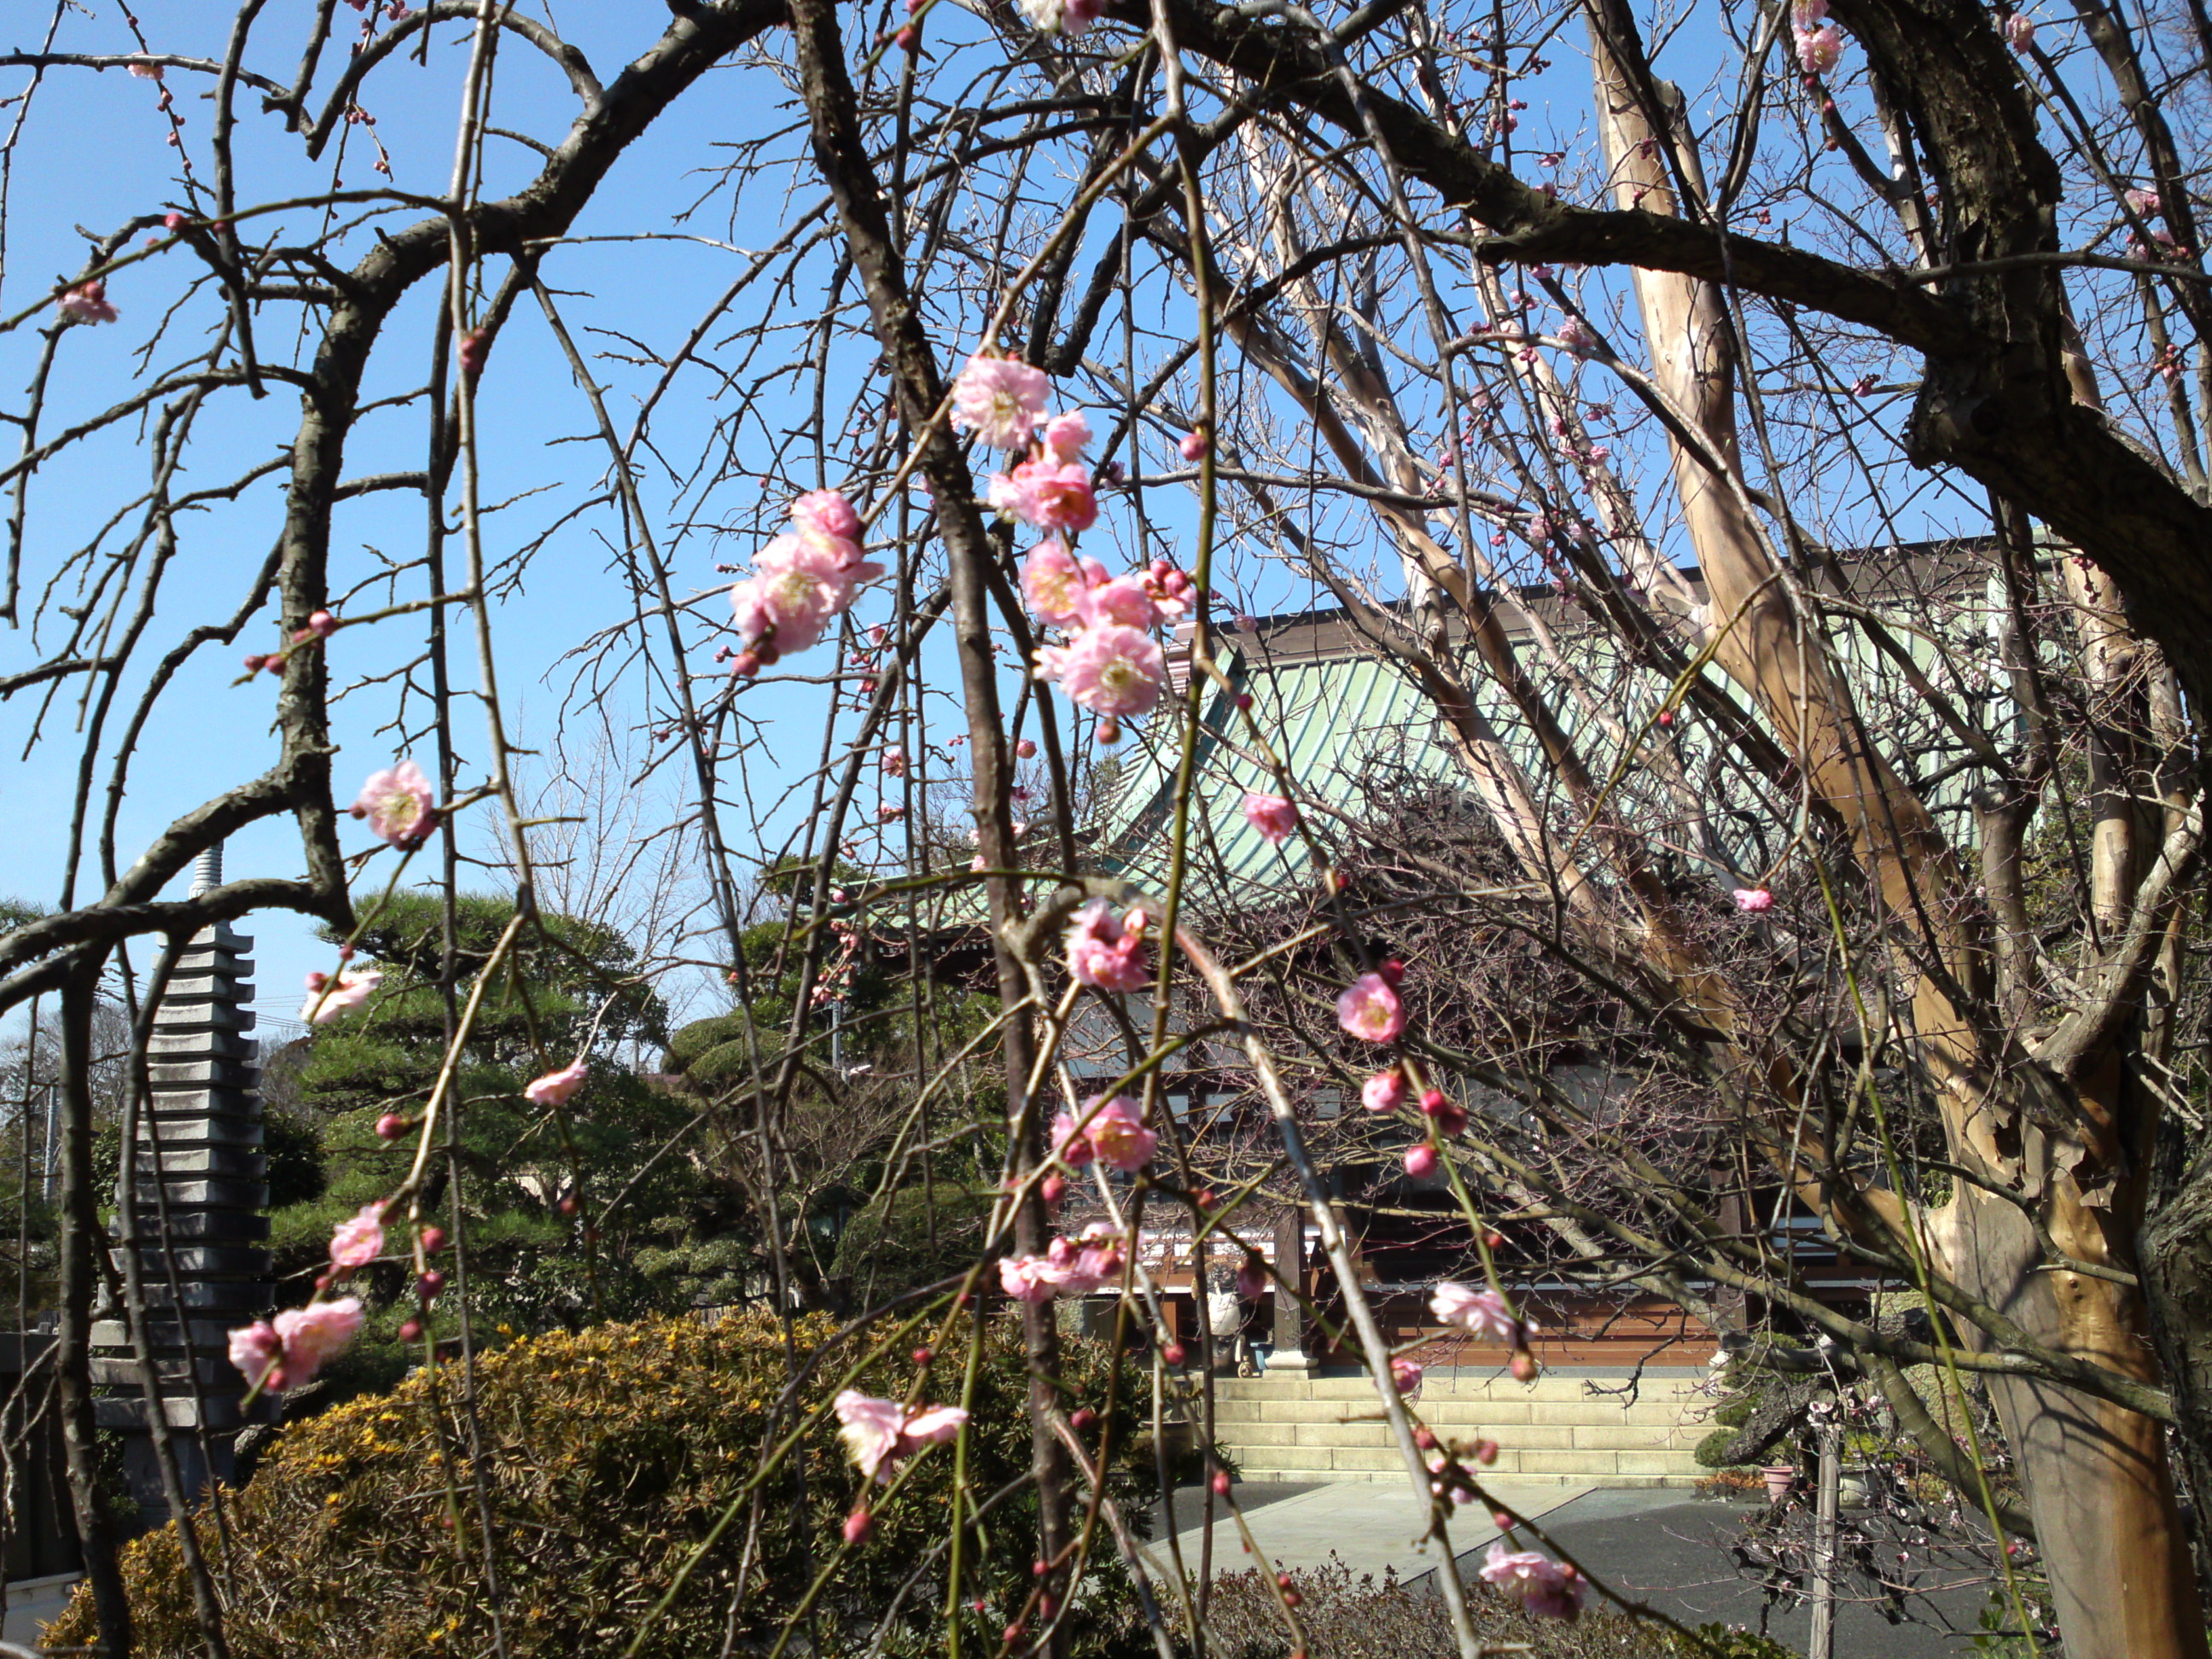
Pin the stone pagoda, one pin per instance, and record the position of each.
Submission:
(202, 1234)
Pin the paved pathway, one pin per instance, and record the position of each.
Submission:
(1656, 1545)
(1367, 1526)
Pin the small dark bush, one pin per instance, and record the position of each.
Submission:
(1344, 1618)
(609, 1455)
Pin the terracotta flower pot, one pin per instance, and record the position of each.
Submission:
(1780, 1477)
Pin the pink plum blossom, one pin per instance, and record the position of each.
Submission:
(255, 1349)
(1112, 671)
(1121, 601)
(359, 1240)
(327, 998)
(1060, 16)
(1369, 1009)
(88, 302)
(1066, 437)
(1054, 582)
(1106, 954)
(877, 1433)
(1478, 1312)
(1383, 1093)
(1116, 1128)
(1025, 749)
(1000, 400)
(1069, 1144)
(2144, 201)
(1577, 337)
(399, 804)
(2020, 32)
(303, 1340)
(556, 1088)
(1067, 1267)
(1549, 1589)
(1272, 816)
(1753, 900)
(826, 513)
(1818, 49)
(1406, 1375)
(894, 762)
(1047, 494)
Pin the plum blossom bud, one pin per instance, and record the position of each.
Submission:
(1221, 1483)
(745, 664)
(411, 1330)
(2020, 32)
(1420, 1160)
(434, 1240)
(391, 1126)
(1173, 1353)
(1383, 1093)
(1753, 900)
(857, 1525)
(1405, 1376)
(1192, 445)
(1524, 1366)
(472, 348)
(427, 1284)
(1081, 1417)
(1578, 337)
(1052, 1189)
(1025, 749)
(1251, 1278)
(1108, 731)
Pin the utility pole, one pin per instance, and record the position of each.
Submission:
(1829, 1434)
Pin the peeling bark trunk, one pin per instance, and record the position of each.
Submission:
(2176, 1256)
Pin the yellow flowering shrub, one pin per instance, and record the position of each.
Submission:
(605, 1459)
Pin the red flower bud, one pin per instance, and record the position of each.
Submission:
(908, 39)
(1282, 1581)
(1173, 1353)
(1524, 1366)
(1393, 970)
(1051, 1188)
(430, 1284)
(922, 1356)
(434, 1240)
(568, 1205)
(1221, 1483)
(857, 1525)
(1425, 1437)
(253, 663)
(411, 1331)
(392, 1126)
(1081, 1417)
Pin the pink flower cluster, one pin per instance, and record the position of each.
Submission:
(1753, 900)
(287, 1354)
(329, 998)
(1106, 954)
(1110, 1130)
(802, 581)
(400, 805)
(1820, 45)
(879, 1433)
(1068, 1266)
(1549, 1589)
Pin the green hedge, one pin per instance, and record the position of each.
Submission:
(609, 1456)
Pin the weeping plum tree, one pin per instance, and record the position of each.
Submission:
(1704, 326)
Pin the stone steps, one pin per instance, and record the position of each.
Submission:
(1332, 1428)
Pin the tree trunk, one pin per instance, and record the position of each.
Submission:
(2096, 1475)
(2176, 1266)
